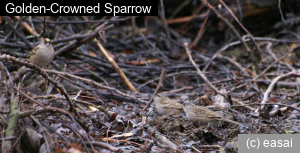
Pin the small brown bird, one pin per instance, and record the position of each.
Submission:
(165, 105)
(203, 115)
(42, 54)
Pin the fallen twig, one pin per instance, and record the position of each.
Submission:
(28, 27)
(96, 84)
(158, 87)
(188, 51)
(271, 86)
(117, 68)
(200, 73)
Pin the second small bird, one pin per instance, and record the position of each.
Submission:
(203, 115)
(165, 105)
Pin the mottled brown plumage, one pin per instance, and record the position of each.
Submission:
(165, 105)
(202, 114)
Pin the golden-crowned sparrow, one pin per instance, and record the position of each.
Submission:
(165, 105)
(42, 54)
(203, 115)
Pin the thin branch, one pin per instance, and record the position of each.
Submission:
(44, 74)
(200, 73)
(280, 11)
(28, 27)
(266, 69)
(96, 84)
(7, 19)
(199, 33)
(249, 51)
(271, 86)
(284, 105)
(158, 87)
(241, 25)
(117, 68)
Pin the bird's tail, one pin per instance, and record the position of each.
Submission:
(230, 121)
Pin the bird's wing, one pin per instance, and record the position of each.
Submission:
(205, 112)
(173, 105)
(33, 52)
